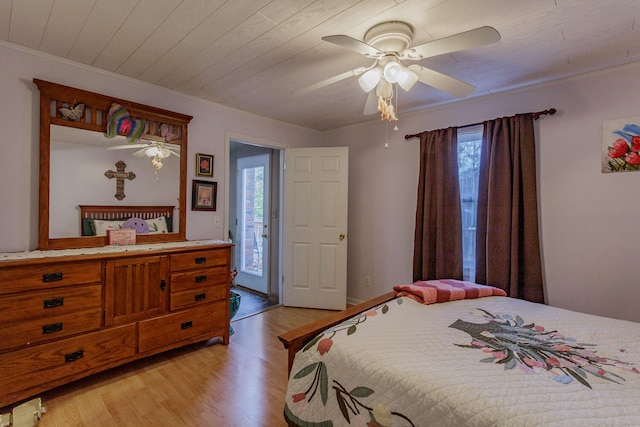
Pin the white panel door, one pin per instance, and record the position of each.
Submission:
(315, 227)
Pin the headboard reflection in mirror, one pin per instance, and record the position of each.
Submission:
(102, 151)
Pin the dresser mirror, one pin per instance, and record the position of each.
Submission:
(80, 166)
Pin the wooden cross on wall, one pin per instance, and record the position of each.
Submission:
(120, 175)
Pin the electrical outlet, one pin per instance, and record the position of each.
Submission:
(367, 280)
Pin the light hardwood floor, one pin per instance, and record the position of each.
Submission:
(242, 384)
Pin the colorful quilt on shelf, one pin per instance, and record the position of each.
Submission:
(484, 361)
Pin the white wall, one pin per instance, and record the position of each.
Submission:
(19, 121)
(588, 220)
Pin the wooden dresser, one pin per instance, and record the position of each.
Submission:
(63, 317)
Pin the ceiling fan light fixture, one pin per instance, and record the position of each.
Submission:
(151, 152)
(406, 79)
(370, 79)
(392, 71)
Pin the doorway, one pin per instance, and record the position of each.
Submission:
(254, 220)
(253, 228)
(326, 212)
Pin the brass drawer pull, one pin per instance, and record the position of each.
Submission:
(201, 260)
(51, 277)
(53, 302)
(200, 297)
(200, 279)
(51, 328)
(72, 357)
(186, 325)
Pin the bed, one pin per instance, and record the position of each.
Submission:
(452, 353)
(97, 220)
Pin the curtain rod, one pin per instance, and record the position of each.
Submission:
(536, 116)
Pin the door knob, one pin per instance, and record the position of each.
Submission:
(341, 236)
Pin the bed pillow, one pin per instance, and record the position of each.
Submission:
(101, 226)
(87, 227)
(138, 224)
(158, 225)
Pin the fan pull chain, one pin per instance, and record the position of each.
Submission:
(386, 135)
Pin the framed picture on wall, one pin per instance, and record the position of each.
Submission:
(621, 145)
(204, 195)
(204, 164)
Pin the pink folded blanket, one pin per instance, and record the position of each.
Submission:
(432, 291)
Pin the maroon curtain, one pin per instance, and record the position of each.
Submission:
(507, 245)
(438, 235)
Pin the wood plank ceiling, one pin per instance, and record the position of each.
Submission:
(252, 54)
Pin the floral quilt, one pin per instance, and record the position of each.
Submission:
(492, 361)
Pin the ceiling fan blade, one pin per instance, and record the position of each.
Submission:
(371, 104)
(469, 39)
(163, 152)
(140, 152)
(330, 81)
(354, 44)
(442, 82)
(166, 151)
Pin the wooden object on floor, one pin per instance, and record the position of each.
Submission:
(295, 339)
(66, 317)
(203, 384)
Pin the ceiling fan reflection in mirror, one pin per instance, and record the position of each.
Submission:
(155, 150)
(388, 44)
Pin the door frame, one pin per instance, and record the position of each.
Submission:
(260, 142)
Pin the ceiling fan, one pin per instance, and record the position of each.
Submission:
(156, 150)
(388, 44)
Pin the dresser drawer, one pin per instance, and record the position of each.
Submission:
(17, 308)
(53, 275)
(31, 318)
(200, 259)
(40, 364)
(36, 331)
(192, 297)
(181, 326)
(194, 279)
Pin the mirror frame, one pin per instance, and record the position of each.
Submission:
(52, 97)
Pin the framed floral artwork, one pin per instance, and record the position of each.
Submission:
(204, 195)
(204, 164)
(621, 145)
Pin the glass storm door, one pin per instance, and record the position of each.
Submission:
(253, 217)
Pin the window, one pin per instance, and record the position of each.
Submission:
(469, 144)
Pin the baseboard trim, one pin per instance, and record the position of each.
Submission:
(353, 301)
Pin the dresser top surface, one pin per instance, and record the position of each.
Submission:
(51, 255)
